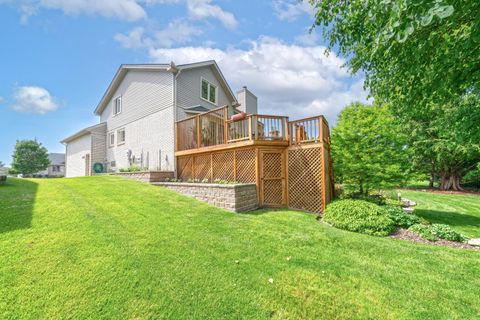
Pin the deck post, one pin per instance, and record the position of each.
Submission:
(199, 131)
(225, 124)
(321, 124)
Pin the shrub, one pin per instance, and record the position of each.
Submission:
(132, 168)
(400, 218)
(437, 231)
(373, 198)
(359, 216)
(423, 231)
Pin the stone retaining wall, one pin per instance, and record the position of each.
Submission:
(146, 176)
(232, 197)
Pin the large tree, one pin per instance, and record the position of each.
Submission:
(421, 57)
(29, 157)
(412, 52)
(368, 149)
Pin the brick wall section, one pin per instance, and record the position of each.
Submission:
(232, 197)
(146, 176)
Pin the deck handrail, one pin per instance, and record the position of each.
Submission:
(215, 128)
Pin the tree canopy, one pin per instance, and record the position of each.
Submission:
(412, 53)
(422, 58)
(29, 157)
(368, 149)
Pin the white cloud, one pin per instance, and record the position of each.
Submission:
(133, 40)
(128, 10)
(290, 10)
(204, 9)
(2, 100)
(33, 99)
(288, 79)
(176, 32)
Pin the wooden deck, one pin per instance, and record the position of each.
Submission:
(289, 161)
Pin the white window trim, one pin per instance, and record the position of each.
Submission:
(110, 144)
(208, 92)
(115, 105)
(119, 143)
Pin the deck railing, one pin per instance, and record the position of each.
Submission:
(309, 130)
(214, 128)
(239, 130)
(203, 130)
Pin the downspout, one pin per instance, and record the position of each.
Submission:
(175, 72)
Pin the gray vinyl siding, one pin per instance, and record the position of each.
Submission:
(143, 93)
(148, 120)
(189, 90)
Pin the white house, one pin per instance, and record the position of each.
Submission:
(138, 114)
(56, 167)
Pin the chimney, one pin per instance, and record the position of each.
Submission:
(247, 101)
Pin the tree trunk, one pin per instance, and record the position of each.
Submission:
(450, 181)
(433, 175)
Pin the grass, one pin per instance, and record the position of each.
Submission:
(108, 248)
(461, 212)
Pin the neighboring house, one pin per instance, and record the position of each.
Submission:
(56, 167)
(138, 114)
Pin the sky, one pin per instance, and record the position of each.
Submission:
(57, 58)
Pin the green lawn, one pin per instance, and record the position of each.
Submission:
(103, 247)
(461, 212)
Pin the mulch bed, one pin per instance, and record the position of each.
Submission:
(405, 234)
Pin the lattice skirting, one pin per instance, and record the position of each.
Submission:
(236, 165)
(305, 176)
(301, 178)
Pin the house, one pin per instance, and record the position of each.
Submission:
(185, 121)
(138, 114)
(56, 167)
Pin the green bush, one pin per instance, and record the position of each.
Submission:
(423, 231)
(373, 198)
(437, 231)
(400, 218)
(359, 216)
(132, 168)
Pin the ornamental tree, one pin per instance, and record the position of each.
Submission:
(368, 148)
(29, 157)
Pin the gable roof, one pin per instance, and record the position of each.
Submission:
(83, 132)
(196, 109)
(169, 67)
(56, 158)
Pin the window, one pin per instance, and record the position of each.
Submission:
(120, 136)
(117, 105)
(111, 139)
(209, 92)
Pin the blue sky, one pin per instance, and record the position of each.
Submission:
(58, 57)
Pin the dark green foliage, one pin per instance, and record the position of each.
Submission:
(29, 157)
(368, 149)
(359, 216)
(412, 52)
(400, 218)
(423, 58)
(437, 231)
(373, 198)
